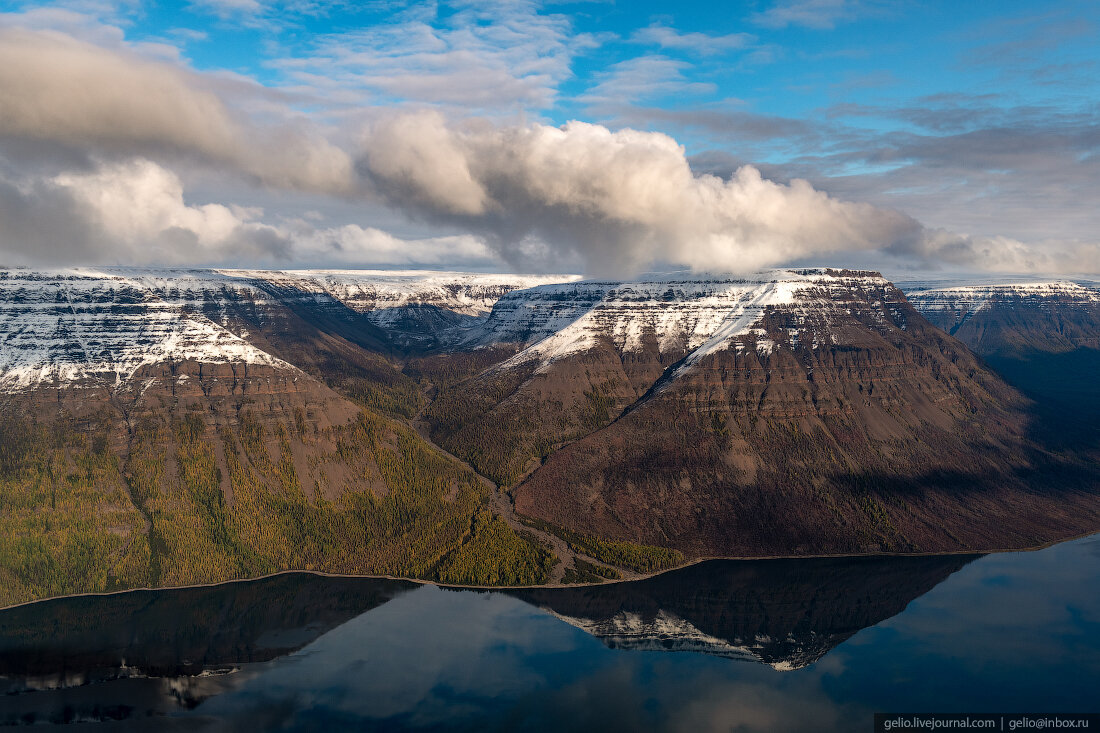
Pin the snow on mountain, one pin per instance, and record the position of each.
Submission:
(697, 315)
(965, 301)
(71, 325)
(382, 293)
(76, 325)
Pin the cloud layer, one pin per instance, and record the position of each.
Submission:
(100, 141)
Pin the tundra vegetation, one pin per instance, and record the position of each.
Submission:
(191, 499)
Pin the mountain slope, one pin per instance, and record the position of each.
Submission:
(589, 350)
(829, 418)
(172, 427)
(150, 436)
(1043, 338)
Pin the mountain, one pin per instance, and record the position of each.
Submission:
(794, 412)
(168, 427)
(174, 427)
(1043, 338)
(1013, 319)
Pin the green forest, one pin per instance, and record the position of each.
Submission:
(200, 498)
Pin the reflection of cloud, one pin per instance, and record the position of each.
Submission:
(427, 658)
(1015, 631)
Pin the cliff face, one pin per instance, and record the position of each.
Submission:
(167, 428)
(1043, 338)
(838, 424)
(1015, 319)
(183, 426)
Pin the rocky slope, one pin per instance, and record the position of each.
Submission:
(798, 412)
(1043, 338)
(589, 350)
(154, 431)
(190, 425)
(1008, 319)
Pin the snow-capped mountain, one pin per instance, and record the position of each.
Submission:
(958, 304)
(84, 325)
(74, 326)
(690, 317)
(382, 293)
(995, 319)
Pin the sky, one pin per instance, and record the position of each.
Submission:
(607, 138)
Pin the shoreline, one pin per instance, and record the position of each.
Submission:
(552, 586)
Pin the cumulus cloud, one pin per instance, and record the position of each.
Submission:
(135, 212)
(57, 88)
(617, 201)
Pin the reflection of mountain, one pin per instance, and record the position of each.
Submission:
(786, 613)
(145, 652)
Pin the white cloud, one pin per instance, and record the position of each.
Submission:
(228, 8)
(136, 201)
(643, 77)
(699, 43)
(487, 56)
(92, 128)
(818, 14)
(135, 212)
(619, 201)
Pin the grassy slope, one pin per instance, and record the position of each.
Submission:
(78, 516)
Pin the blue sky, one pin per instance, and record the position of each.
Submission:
(975, 123)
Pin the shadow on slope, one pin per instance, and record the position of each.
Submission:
(1066, 390)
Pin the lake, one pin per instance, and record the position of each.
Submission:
(768, 645)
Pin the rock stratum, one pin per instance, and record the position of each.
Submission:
(168, 427)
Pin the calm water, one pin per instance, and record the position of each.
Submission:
(809, 645)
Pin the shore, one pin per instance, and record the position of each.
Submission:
(636, 577)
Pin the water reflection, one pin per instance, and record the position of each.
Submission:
(1008, 632)
(786, 613)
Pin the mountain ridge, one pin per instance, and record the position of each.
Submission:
(793, 412)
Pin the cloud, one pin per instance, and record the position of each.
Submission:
(617, 201)
(134, 212)
(90, 123)
(699, 43)
(59, 89)
(621, 202)
(1000, 254)
(489, 57)
(817, 14)
(643, 77)
(228, 8)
